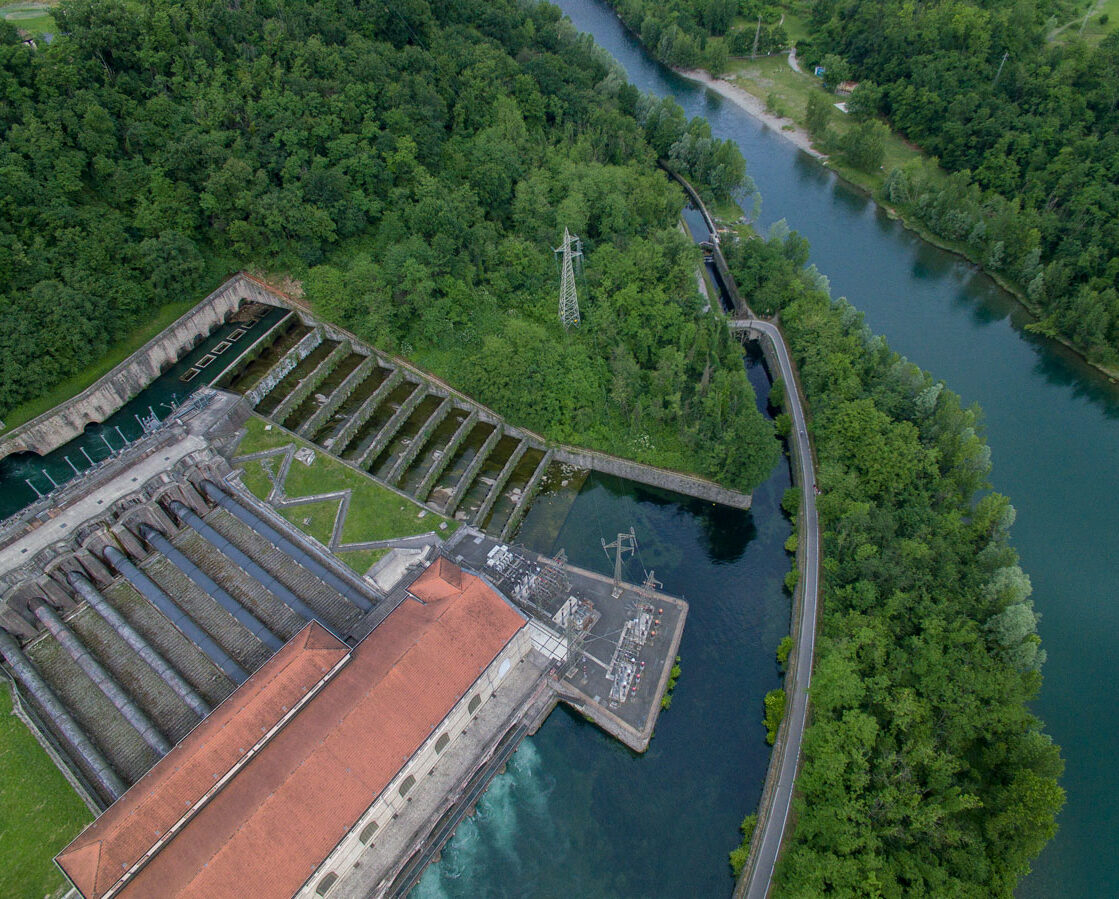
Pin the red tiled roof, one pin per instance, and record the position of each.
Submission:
(277, 817)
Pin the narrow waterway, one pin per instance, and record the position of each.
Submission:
(24, 476)
(1052, 423)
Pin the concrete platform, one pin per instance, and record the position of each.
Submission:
(628, 643)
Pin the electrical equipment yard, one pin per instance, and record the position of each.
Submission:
(622, 647)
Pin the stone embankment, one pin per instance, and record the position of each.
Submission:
(110, 392)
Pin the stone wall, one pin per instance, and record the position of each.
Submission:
(654, 477)
(283, 368)
(104, 397)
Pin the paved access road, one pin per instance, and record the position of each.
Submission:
(796, 710)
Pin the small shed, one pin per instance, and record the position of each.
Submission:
(846, 88)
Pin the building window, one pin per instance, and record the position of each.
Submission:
(368, 832)
(325, 884)
(474, 703)
(409, 782)
(441, 743)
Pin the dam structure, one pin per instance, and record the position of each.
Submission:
(148, 599)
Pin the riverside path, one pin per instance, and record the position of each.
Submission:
(767, 841)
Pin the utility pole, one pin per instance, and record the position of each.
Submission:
(626, 542)
(998, 74)
(757, 34)
(569, 300)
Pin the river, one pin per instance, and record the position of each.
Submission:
(1052, 423)
(578, 814)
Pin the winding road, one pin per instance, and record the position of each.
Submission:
(774, 808)
(768, 840)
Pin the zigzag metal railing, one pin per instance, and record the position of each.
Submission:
(394, 424)
(419, 441)
(499, 484)
(439, 463)
(314, 379)
(365, 412)
(281, 369)
(343, 392)
(472, 470)
(525, 501)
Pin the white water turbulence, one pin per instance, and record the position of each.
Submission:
(521, 792)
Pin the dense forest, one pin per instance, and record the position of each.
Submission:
(414, 164)
(704, 33)
(924, 772)
(1026, 127)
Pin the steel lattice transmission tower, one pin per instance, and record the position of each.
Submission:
(569, 300)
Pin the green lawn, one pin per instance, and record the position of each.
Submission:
(256, 480)
(376, 512)
(262, 435)
(31, 17)
(361, 560)
(316, 519)
(773, 76)
(120, 351)
(41, 812)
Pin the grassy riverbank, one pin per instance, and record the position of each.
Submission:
(772, 81)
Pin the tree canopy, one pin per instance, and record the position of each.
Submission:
(414, 164)
(1028, 129)
(924, 772)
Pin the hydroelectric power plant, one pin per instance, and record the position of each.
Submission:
(183, 650)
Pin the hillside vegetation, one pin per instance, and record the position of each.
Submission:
(415, 163)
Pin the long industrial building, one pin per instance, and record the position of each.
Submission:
(280, 789)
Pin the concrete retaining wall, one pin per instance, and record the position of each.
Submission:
(97, 402)
(312, 381)
(654, 477)
(281, 369)
(527, 496)
(420, 441)
(339, 396)
(111, 391)
(439, 465)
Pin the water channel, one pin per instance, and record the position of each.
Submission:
(1052, 423)
(25, 475)
(578, 814)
